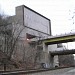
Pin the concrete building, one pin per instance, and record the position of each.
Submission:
(29, 27)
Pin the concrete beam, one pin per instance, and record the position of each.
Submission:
(60, 39)
(63, 52)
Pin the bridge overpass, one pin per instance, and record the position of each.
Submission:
(56, 40)
(63, 52)
(59, 39)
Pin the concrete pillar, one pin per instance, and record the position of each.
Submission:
(51, 60)
(46, 55)
(20, 15)
(48, 58)
(56, 61)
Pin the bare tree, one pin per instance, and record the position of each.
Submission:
(66, 60)
(9, 35)
(3, 36)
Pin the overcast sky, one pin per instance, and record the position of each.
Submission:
(58, 11)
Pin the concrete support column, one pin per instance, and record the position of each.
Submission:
(51, 60)
(46, 55)
(48, 58)
(56, 61)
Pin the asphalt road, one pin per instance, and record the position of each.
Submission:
(66, 71)
(63, 71)
(70, 72)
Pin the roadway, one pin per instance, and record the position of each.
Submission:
(62, 71)
(66, 71)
